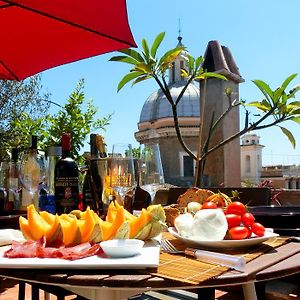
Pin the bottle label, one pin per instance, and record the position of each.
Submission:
(66, 194)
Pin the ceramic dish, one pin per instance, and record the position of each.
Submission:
(224, 244)
(122, 248)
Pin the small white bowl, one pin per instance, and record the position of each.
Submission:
(122, 248)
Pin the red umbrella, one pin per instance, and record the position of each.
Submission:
(37, 35)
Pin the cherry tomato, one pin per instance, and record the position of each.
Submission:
(248, 219)
(236, 207)
(233, 220)
(209, 205)
(249, 233)
(258, 229)
(238, 232)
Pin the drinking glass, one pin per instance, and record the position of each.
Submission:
(31, 174)
(122, 170)
(151, 173)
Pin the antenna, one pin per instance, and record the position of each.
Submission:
(179, 31)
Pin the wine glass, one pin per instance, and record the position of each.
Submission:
(151, 173)
(122, 170)
(32, 175)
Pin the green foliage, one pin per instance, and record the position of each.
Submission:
(278, 106)
(18, 100)
(72, 117)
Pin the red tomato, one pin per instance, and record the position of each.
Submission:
(233, 220)
(248, 219)
(236, 207)
(238, 232)
(249, 233)
(258, 229)
(209, 205)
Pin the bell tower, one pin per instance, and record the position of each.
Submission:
(251, 158)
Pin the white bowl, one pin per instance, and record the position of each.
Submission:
(122, 248)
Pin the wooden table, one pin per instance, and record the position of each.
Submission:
(120, 284)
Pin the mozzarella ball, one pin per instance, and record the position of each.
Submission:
(183, 223)
(209, 225)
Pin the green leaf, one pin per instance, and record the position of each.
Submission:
(169, 56)
(133, 53)
(259, 105)
(295, 104)
(293, 91)
(157, 43)
(124, 59)
(191, 64)
(130, 76)
(296, 119)
(146, 50)
(277, 95)
(141, 78)
(288, 80)
(199, 61)
(289, 136)
(142, 67)
(210, 75)
(264, 88)
(184, 73)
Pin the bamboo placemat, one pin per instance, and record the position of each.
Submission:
(192, 271)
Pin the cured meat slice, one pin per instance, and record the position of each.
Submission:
(25, 249)
(30, 249)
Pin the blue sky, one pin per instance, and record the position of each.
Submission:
(263, 37)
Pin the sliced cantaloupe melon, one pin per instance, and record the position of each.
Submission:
(37, 224)
(54, 235)
(49, 218)
(109, 229)
(106, 230)
(111, 212)
(24, 226)
(128, 216)
(70, 230)
(86, 225)
(139, 223)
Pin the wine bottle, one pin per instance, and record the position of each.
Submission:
(66, 176)
(12, 182)
(97, 170)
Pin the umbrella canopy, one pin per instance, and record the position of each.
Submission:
(37, 35)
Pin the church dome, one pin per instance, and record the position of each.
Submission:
(157, 106)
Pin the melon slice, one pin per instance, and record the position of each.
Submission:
(139, 223)
(86, 225)
(38, 226)
(24, 226)
(70, 230)
(109, 229)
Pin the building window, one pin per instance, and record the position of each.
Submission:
(181, 67)
(187, 165)
(173, 72)
(248, 163)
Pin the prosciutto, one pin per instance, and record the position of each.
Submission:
(30, 249)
